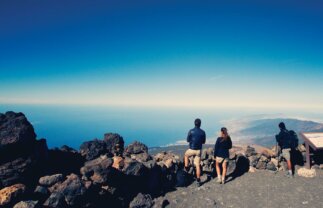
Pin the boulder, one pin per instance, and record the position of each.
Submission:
(27, 204)
(141, 201)
(12, 194)
(135, 168)
(250, 151)
(50, 180)
(114, 143)
(261, 165)
(93, 149)
(64, 161)
(41, 192)
(136, 148)
(274, 161)
(307, 173)
(56, 200)
(73, 189)
(253, 160)
(271, 166)
(98, 166)
(16, 133)
(142, 157)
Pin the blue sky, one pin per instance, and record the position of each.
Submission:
(162, 53)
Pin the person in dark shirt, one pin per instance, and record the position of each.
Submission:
(196, 138)
(221, 154)
(284, 141)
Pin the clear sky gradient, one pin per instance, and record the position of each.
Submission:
(162, 53)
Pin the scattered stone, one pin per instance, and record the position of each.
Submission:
(72, 189)
(261, 165)
(27, 204)
(253, 160)
(307, 173)
(114, 143)
(141, 201)
(10, 195)
(50, 180)
(97, 166)
(274, 161)
(135, 168)
(136, 148)
(41, 190)
(271, 166)
(250, 151)
(93, 149)
(56, 200)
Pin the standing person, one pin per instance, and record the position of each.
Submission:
(284, 141)
(221, 154)
(196, 138)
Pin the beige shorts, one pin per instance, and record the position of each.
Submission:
(196, 154)
(286, 153)
(221, 159)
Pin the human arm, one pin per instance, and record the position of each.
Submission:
(189, 136)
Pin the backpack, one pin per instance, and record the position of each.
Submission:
(293, 139)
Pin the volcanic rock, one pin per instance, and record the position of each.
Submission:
(56, 200)
(27, 204)
(141, 201)
(250, 151)
(93, 149)
(11, 194)
(50, 180)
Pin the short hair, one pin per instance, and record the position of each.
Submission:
(197, 122)
(282, 125)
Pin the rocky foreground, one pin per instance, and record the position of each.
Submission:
(105, 173)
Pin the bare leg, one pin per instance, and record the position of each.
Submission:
(289, 165)
(218, 171)
(186, 161)
(198, 171)
(224, 166)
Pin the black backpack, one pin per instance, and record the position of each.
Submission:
(293, 139)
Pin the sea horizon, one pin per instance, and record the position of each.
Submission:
(155, 126)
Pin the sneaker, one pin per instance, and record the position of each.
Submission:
(223, 181)
(219, 180)
(288, 175)
(198, 183)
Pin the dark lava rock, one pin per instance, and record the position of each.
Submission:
(141, 201)
(62, 161)
(56, 200)
(242, 165)
(231, 166)
(142, 157)
(135, 168)
(73, 189)
(98, 168)
(136, 148)
(27, 204)
(15, 132)
(41, 192)
(114, 143)
(50, 180)
(93, 149)
(250, 151)
(160, 202)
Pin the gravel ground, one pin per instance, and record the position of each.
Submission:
(259, 189)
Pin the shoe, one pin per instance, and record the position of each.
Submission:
(219, 180)
(288, 175)
(198, 183)
(223, 181)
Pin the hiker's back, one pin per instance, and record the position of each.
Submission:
(196, 138)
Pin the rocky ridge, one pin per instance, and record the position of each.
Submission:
(104, 171)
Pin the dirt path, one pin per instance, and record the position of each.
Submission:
(260, 189)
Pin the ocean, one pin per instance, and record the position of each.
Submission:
(72, 125)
